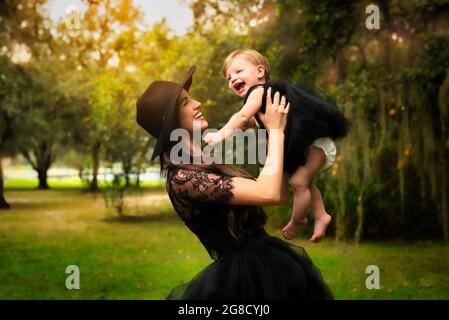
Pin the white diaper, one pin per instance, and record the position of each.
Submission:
(330, 150)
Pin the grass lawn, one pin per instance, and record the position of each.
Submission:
(64, 183)
(45, 231)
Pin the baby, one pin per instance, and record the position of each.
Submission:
(312, 125)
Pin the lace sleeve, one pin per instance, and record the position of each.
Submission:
(190, 187)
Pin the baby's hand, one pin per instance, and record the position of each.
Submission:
(213, 138)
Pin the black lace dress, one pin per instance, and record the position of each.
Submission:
(254, 266)
(312, 115)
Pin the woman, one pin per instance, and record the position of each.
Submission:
(220, 205)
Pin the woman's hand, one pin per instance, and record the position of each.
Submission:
(275, 116)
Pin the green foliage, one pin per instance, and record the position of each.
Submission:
(77, 93)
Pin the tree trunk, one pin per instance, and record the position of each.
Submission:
(341, 66)
(81, 173)
(358, 231)
(44, 163)
(443, 196)
(3, 203)
(126, 165)
(340, 221)
(141, 160)
(340, 228)
(439, 134)
(42, 175)
(126, 180)
(95, 166)
(43, 158)
(138, 177)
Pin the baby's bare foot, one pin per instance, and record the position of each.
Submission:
(292, 228)
(320, 227)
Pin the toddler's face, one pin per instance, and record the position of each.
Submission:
(242, 74)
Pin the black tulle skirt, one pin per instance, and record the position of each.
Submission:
(264, 267)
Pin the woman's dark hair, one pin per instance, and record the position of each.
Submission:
(241, 219)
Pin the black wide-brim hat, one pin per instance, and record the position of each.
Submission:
(156, 109)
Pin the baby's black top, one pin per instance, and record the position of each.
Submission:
(310, 117)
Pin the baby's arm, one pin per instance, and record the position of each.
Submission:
(251, 124)
(239, 120)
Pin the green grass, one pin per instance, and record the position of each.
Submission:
(66, 183)
(45, 231)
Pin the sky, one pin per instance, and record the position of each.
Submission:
(177, 12)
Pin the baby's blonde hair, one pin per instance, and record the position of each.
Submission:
(253, 56)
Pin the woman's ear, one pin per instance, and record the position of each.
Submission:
(260, 71)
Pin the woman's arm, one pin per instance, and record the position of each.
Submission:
(267, 188)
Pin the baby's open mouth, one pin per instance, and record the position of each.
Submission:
(239, 86)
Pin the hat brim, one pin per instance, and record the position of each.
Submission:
(169, 121)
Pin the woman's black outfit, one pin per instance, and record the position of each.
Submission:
(254, 266)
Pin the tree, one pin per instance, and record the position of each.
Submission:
(46, 120)
(101, 25)
(12, 81)
(16, 18)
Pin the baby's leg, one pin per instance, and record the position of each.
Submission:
(285, 192)
(320, 216)
(300, 181)
(301, 202)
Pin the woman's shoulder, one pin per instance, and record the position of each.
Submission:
(191, 169)
(195, 176)
(184, 174)
(199, 184)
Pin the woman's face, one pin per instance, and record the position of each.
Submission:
(190, 113)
